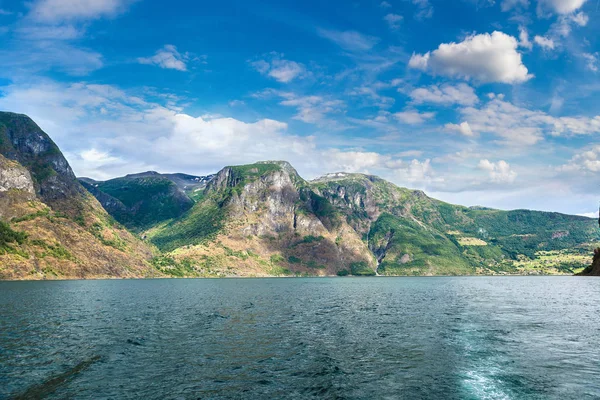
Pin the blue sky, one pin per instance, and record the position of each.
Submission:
(477, 102)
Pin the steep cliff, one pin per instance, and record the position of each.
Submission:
(52, 227)
(262, 219)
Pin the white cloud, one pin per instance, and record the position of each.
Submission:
(580, 19)
(484, 58)
(560, 6)
(517, 126)
(446, 94)
(591, 61)
(310, 109)
(508, 5)
(587, 160)
(281, 70)
(419, 61)
(53, 11)
(385, 4)
(393, 20)
(524, 39)
(168, 58)
(5, 12)
(412, 117)
(350, 40)
(463, 128)
(499, 172)
(545, 43)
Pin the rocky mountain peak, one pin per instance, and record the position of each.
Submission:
(23, 141)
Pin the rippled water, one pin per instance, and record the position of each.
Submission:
(345, 338)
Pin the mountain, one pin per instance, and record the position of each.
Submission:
(264, 219)
(261, 219)
(411, 233)
(50, 225)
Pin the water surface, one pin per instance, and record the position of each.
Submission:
(344, 338)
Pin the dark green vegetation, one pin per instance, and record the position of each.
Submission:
(9, 236)
(140, 202)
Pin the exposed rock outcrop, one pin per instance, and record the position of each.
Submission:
(594, 268)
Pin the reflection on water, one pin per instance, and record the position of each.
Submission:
(412, 338)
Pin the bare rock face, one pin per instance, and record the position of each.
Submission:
(14, 177)
(271, 212)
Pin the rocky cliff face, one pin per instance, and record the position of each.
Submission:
(55, 184)
(594, 268)
(60, 230)
(271, 224)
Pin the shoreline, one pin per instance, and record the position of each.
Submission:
(295, 277)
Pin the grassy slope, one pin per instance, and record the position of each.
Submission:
(450, 239)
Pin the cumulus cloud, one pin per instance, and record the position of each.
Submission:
(446, 94)
(518, 126)
(413, 117)
(349, 40)
(278, 68)
(463, 128)
(560, 6)
(483, 58)
(544, 42)
(168, 58)
(52, 11)
(587, 160)
(499, 172)
(393, 20)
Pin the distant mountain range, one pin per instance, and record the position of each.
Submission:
(255, 220)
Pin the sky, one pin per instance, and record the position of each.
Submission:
(476, 102)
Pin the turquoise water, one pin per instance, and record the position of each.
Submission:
(344, 338)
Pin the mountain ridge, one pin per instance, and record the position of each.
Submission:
(260, 219)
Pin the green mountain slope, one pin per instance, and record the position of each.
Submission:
(140, 201)
(411, 233)
(264, 219)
